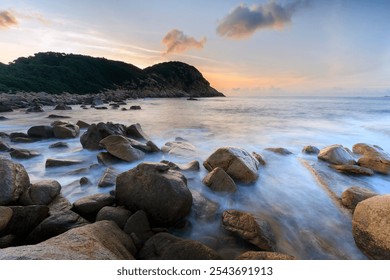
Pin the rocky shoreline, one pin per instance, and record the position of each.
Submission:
(152, 201)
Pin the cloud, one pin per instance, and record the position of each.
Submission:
(243, 21)
(7, 19)
(178, 42)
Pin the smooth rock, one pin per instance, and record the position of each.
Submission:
(190, 166)
(162, 193)
(373, 157)
(238, 163)
(352, 169)
(90, 205)
(41, 131)
(336, 154)
(5, 217)
(58, 145)
(138, 226)
(164, 246)
(311, 150)
(117, 214)
(50, 162)
(41, 193)
(62, 107)
(218, 180)
(280, 151)
(107, 159)
(65, 131)
(135, 107)
(96, 132)
(82, 124)
(256, 255)
(99, 241)
(256, 231)
(53, 116)
(259, 158)
(59, 204)
(353, 195)
(108, 179)
(203, 208)
(120, 147)
(179, 148)
(371, 227)
(135, 131)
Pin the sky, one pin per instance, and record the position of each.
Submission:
(249, 47)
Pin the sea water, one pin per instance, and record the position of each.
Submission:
(306, 220)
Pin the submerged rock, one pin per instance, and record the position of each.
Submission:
(107, 159)
(280, 151)
(236, 162)
(373, 157)
(352, 169)
(191, 166)
(179, 148)
(61, 162)
(62, 107)
(353, 195)
(4, 147)
(371, 227)
(311, 150)
(162, 193)
(336, 154)
(23, 153)
(218, 180)
(203, 208)
(259, 158)
(58, 145)
(120, 147)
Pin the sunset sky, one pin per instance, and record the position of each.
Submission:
(242, 47)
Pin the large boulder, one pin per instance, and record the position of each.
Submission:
(373, 157)
(256, 231)
(14, 181)
(336, 154)
(179, 147)
(99, 241)
(256, 255)
(218, 180)
(353, 195)
(120, 147)
(162, 193)
(41, 131)
(135, 131)
(371, 227)
(67, 130)
(236, 162)
(96, 132)
(41, 193)
(164, 246)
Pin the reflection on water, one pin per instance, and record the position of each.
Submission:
(308, 224)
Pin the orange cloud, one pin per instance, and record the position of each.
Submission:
(177, 42)
(7, 19)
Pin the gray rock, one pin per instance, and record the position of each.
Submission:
(59, 204)
(50, 162)
(90, 205)
(14, 179)
(7, 241)
(336, 154)
(35, 109)
(99, 241)
(117, 214)
(190, 166)
(162, 193)
(84, 181)
(371, 227)
(53, 116)
(280, 151)
(41, 131)
(164, 246)
(41, 193)
(108, 179)
(4, 147)
(135, 131)
(23, 154)
(58, 145)
(238, 163)
(311, 150)
(179, 148)
(120, 147)
(203, 208)
(218, 180)
(138, 227)
(107, 159)
(62, 107)
(96, 132)
(353, 195)
(82, 124)
(153, 147)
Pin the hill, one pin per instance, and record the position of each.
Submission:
(78, 74)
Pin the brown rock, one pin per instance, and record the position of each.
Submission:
(108, 179)
(353, 195)
(373, 157)
(60, 162)
(41, 193)
(280, 151)
(352, 169)
(120, 147)
(336, 154)
(135, 131)
(23, 154)
(90, 205)
(311, 150)
(67, 130)
(107, 159)
(116, 214)
(96, 132)
(218, 180)
(259, 158)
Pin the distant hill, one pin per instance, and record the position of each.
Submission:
(58, 72)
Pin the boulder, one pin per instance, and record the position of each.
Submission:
(41, 193)
(371, 227)
(190, 166)
(164, 246)
(35, 109)
(153, 147)
(179, 148)
(65, 131)
(353, 195)
(259, 158)
(84, 181)
(54, 225)
(59, 204)
(203, 208)
(58, 145)
(162, 193)
(135, 107)
(311, 150)
(373, 157)
(135, 131)
(14, 179)
(50, 162)
(256, 255)
(352, 169)
(120, 147)
(256, 231)
(280, 151)
(62, 107)
(82, 124)
(108, 179)
(23, 153)
(140, 146)
(4, 147)
(5, 217)
(90, 205)
(96, 132)
(336, 154)
(238, 163)
(107, 159)
(41, 131)
(117, 214)
(218, 180)
(99, 241)
(138, 227)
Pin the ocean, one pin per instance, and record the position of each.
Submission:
(306, 220)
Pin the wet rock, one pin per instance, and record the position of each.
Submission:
(203, 208)
(162, 193)
(179, 148)
(138, 226)
(373, 157)
(311, 150)
(120, 147)
(371, 227)
(58, 145)
(99, 241)
(336, 154)
(140, 146)
(64, 131)
(164, 246)
(238, 163)
(352, 169)
(90, 205)
(82, 124)
(353, 195)
(108, 179)
(50, 162)
(116, 214)
(23, 140)
(153, 147)
(256, 231)
(135, 131)
(54, 225)
(62, 107)
(14, 135)
(5, 217)
(280, 151)
(135, 107)
(84, 181)
(96, 132)
(41, 131)
(41, 193)
(191, 166)
(255, 255)
(107, 159)
(218, 180)
(35, 109)
(53, 116)
(259, 158)
(14, 179)
(4, 147)
(23, 153)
